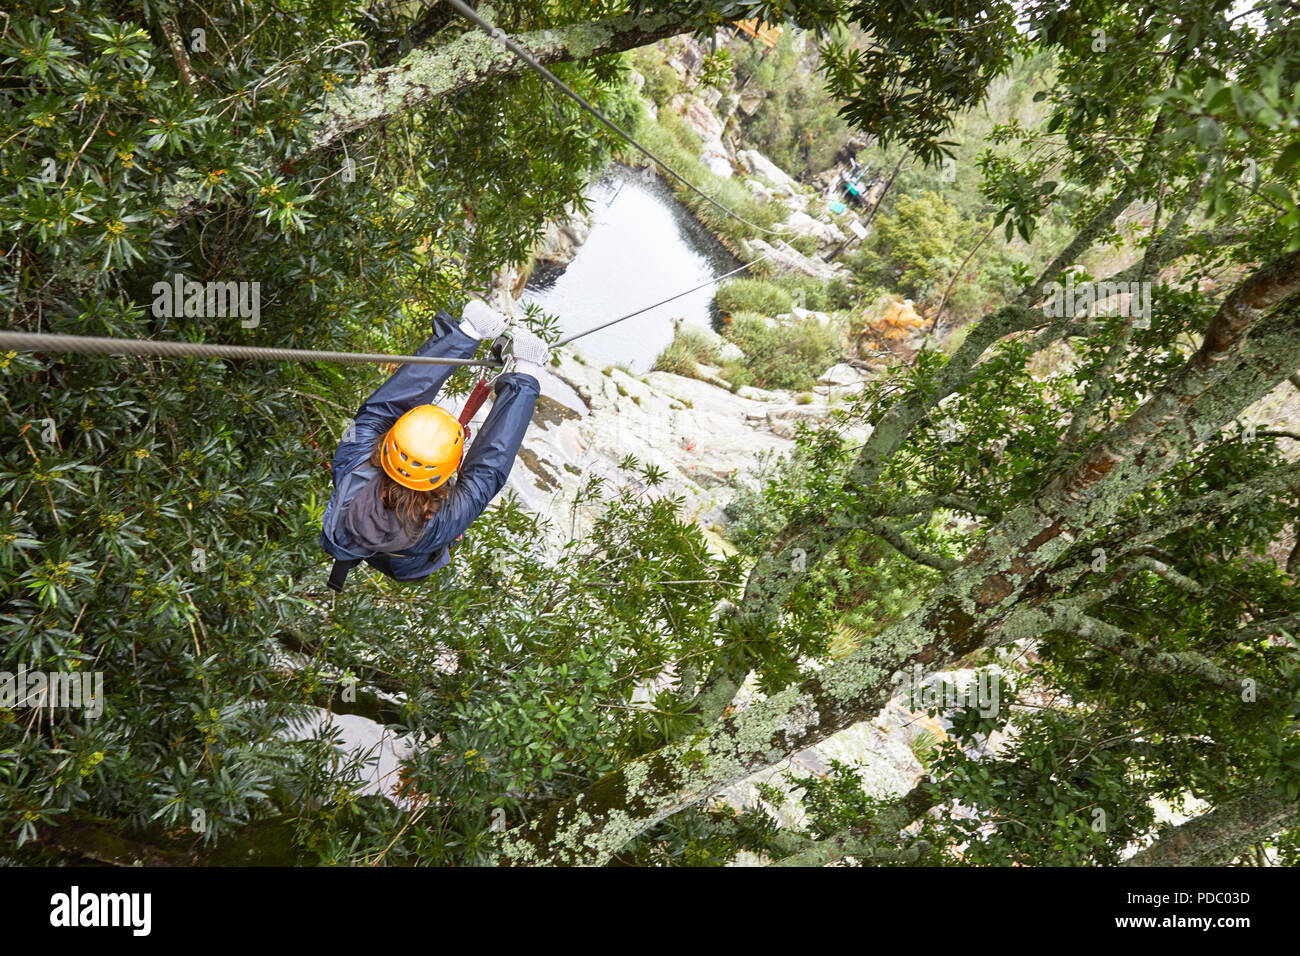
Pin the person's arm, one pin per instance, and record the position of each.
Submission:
(487, 463)
(409, 386)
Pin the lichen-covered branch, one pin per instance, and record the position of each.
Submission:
(1143, 654)
(424, 76)
(875, 840)
(1218, 837)
(908, 550)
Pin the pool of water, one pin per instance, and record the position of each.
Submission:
(644, 246)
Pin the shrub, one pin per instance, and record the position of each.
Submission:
(662, 82)
(681, 131)
(790, 355)
(917, 247)
(688, 347)
(838, 294)
(763, 296)
(676, 358)
(814, 293)
(700, 345)
(805, 244)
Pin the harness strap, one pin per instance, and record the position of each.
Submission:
(475, 401)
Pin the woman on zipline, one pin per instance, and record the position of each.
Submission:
(404, 486)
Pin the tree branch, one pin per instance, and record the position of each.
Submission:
(1218, 837)
(427, 76)
(874, 840)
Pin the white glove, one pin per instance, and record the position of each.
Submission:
(528, 354)
(480, 321)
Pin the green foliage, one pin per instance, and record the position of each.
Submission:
(718, 69)
(687, 348)
(753, 295)
(190, 492)
(786, 355)
(777, 295)
(922, 64)
(835, 802)
(918, 247)
(798, 126)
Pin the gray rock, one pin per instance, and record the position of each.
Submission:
(786, 259)
(560, 239)
(759, 190)
(755, 162)
(802, 224)
(697, 433)
(727, 351)
(800, 314)
(749, 102)
(731, 352)
(798, 202)
(698, 115)
(840, 374)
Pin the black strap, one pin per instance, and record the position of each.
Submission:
(339, 573)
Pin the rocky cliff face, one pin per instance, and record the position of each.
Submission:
(705, 438)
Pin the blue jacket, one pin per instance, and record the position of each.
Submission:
(482, 474)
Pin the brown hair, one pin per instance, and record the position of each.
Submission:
(414, 508)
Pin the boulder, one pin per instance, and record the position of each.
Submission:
(697, 433)
(561, 238)
(798, 202)
(799, 314)
(755, 162)
(757, 395)
(728, 351)
(840, 374)
(783, 258)
(748, 103)
(731, 352)
(759, 190)
(697, 114)
(802, 224)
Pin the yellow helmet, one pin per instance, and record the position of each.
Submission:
(423, 448)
